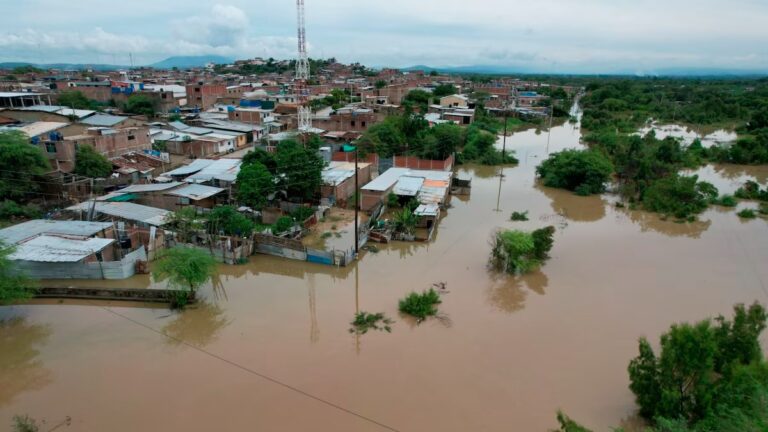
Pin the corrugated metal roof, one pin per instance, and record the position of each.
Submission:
(103, 120)
(192, 168)
(196, 191)
(432, 195)
(427, 210)
(16, 233)
(408, 186)
(51, 248)
(36, 128)
(79, 113)
(126, 210)
(335, 176)
(222, 169)
(386, 179)
(151, 187)
(43, 108)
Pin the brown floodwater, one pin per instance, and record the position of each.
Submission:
(269, 347)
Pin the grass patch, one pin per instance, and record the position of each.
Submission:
(420, 305)
(365, 321)
(519, 216)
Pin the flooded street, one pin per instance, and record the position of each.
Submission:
(269, 348)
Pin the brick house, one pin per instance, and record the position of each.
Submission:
(203, 95)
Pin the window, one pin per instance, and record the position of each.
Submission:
(50, 147)
(197, 89)
(131, 137)
(353, 123)
(362, 124)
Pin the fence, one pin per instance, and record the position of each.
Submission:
(294, 249)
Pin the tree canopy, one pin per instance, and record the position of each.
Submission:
(140, 104)
(444, 90)
(299, 169)
(90, 163)
(20, 163)
(583, 171)
(227, 220)
(185, 268)
(14, 286)
(75, 99)
(254, 184)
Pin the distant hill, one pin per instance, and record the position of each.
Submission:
(672, 72)
(63, 66)
(184, 62)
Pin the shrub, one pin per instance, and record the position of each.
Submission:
(751, 190)
(365, 321)
(726, 201)
(519, 252)
(582, 171)
(679, 196)
(519, 216)
(392, 200)
(747, 214)
(10, 210)
(283, 224)
(421, 305)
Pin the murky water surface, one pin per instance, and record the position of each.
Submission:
(269, 349)
(688, 135)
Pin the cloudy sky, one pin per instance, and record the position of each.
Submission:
(541, 35)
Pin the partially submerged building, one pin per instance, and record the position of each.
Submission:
(426, 186)
(48, 249)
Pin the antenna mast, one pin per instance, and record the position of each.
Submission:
(302, 74)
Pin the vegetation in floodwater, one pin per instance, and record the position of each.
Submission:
(24, 423)
(747, 214)
(326, 235)
(186, 270)
(679, 196)
(726, 201)
(519, 252)
(763, 209)
(405, 221)
(585, 172)
(708, 376)
(420, 305)
(751, 191)
(365, 321)
(519, 216)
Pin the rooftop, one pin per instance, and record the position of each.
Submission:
(16, 233)
(103, 120)
(55, 248)
(127, 211)
(196, 191)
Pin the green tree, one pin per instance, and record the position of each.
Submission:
(185, 268)
(444, 90)
(300, 169)
(680, 196)
(14, 286)
(700, 373)
(229, 221)
(261, 156)
(583, 171)
(254, 184)
(90, 163)
(380, 84)
(75, 99)
(518, 252)
(184, 222)
(20, 163)
(141, 104)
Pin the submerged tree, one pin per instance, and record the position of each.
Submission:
(186, 269)
(518, 252)
(585, 172)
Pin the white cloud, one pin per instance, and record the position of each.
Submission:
(565, 35)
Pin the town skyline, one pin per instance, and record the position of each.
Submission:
(608, 37)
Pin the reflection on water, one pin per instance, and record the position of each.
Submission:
(574, 207)
(508, 293)
(653, 222)
(687, 135)
(20, 368)
(196, 325)
(727, 178)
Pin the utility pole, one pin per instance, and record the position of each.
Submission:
(357, 205)
(504, 141)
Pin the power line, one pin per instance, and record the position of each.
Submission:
(255, 373)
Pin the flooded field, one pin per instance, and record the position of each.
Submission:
(688, 135)
(269, 349)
